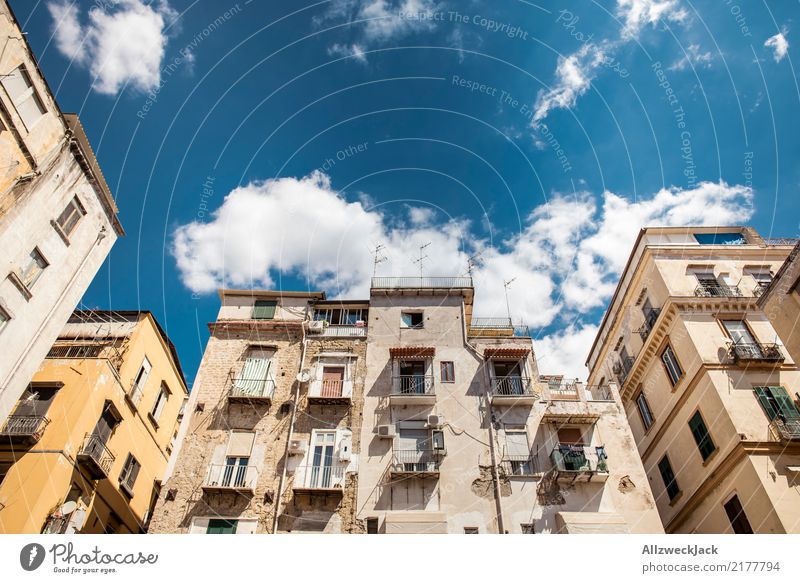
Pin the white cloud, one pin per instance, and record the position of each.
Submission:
(779, 45)
(119, 43)
(565, 352)
(637, 14)
(356, 51)
(694, 57)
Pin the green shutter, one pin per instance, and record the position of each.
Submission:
(785, 402)
(264, 309)
(763, 399)
(701, 436)
(221, 526)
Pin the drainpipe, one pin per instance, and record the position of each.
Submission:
(295, 401)
(492, 454)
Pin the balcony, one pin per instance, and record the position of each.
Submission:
(88, 350)
(231, 478)
(413, 390)
(95, 456)
(513, 390)
(343, 331)
(56, 524)
(717, 290)
(579, 463)
(251, 390)
(650, 318)
(420, 282)
(520, 466)
(330, 392)
(755, 353)
(785, 429)
(573, 402)
(496, 328)
(415, 462)
(563, 392)
(598, 393)
(623, 368)
(319, 480)
(24, 429)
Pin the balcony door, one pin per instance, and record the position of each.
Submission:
(235, 472)
(509, 377)
(412, 377)
(105, 426)
(571, 447)
(322, 459)
(35, 401)
(332, 381)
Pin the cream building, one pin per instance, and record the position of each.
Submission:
(58, 219)
(780, 301)
(705, 379)
(85, 448)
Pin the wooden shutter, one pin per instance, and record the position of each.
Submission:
(785, 403)
(264, 309)
(763, 400)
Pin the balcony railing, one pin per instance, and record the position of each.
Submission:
(344, 331)
(598, 393)
(785, 429)
(412, 385)
(512, 386)
(649, 321)
(568, 458)
(231, 477)
(255, 389)
(781, 241)
(86, 351)
(563, 392)
(420, 282)
(56, 525)
(623, 368)
(322, 478)
(415, 461)
(96, 456)
(24, 428)
(760, 288)
(497, 327)
(755, 352)
(520, 465)
(334, 389)
(717, 290)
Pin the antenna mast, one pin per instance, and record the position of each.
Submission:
(378, 257)
(506, 285)
(421, 257)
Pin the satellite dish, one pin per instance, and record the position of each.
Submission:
(303, 376)
(68, 507)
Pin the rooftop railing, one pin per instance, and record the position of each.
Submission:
(781, 241)
(87, 350)
(497, 327)
(420, 282)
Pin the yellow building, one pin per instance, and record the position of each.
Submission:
(86, 446)
(706, 379)
(781, 303)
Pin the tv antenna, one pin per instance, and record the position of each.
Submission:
(378, 257)
(473, 262)
(422, 257)
(506, 285)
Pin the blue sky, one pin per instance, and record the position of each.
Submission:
(273, 144)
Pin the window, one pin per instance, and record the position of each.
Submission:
(372, 525)
(644, 411)
(264, 309)
(35, 401)
(34, 267)
(139, 381)
(256, 378)
(26, 101)
(701, 436)
(70, 216)
(762, 277)
(411, 320)
(668, 477)
(448, 371)
(471, 530)
(739, 332)
(735, 512)
(720, 238)
(518, 452)
(527, 528)
(172, 442)
(5, 318)
(127, 477)
(777, 403)
(670, 361)
(161, 400)
(221, 526)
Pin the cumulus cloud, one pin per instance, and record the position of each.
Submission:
(694, 57)
(564, 352)
(637, 14)
(119, 43)
(779, 46)
(354, 50)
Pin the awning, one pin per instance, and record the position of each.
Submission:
(416, 523)
(506, 352)
(412, 351)
(591, 523)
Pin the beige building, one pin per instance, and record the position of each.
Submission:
(58, 219)
(273, 422)
(85, 448)
(780, 301)
(461, 435)
(705, 379)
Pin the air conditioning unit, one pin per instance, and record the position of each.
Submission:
(297, 447)
(386, 431)
(317, 326)
(435, 420)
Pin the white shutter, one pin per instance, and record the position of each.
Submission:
(517, 444)
(240, 443)
(254, 373)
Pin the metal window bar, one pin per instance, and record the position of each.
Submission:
(235, 476)
(95, 448)
(416, 460)
(717, 290)
(785, 429)
(344, 331)
(25, 424)
(321, 477)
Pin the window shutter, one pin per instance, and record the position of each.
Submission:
(264, 309)
(517, 444)
(240, 444)
(133, 473)
(761, 395)
(787, 406)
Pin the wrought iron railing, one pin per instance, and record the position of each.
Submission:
(760, 288)
(717, 290)
(416, 460)
(319, 477)
(650, 318)
(578, 458)
(622, 368)
(512, 386)
(25, 425)
(412, 385)
(231, 476)
(420, 282)
(94, 447)
(785, 429)
(755, 352)
(520, 465)
(56, 525)
(344, 331)
(86, 350)
(245, 388)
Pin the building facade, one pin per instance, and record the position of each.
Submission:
(86, 446)
(401, 414)
(705, 379)
(780, 301)
(58, 219)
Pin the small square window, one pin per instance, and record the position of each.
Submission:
(33, 268)
(69, 217)
(264, 309)
(471, 530)
(411, 320)
(527, 528)
(372, 525)
(448, 371)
